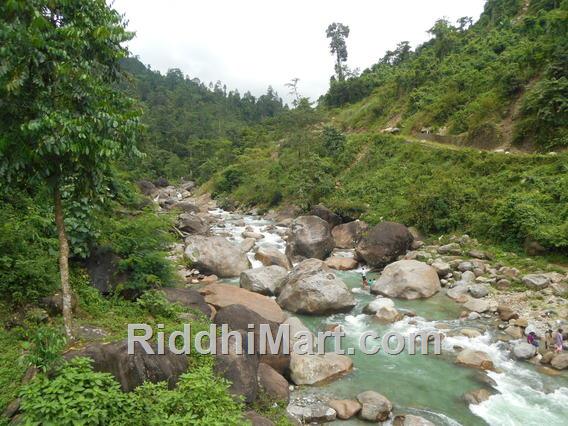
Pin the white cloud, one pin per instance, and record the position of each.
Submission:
(251, 44)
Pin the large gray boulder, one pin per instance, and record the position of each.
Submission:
(273, 383)
(192, 224)
(309, 237)
(133, 370)
(524, 350)
(266, 280)
(272, 256)
(383, 243)
(348, 235)
(326, 214)
(216, 255)
(374, 406)
(312, 288)
(313, 369)
(407, 279)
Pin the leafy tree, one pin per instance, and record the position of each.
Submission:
(63, 120)
(338, 33)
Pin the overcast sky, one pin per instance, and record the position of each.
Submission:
(250, 44)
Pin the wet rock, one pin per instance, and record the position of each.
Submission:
(524, 350)
(312, 288)
(475, 359)
(374, 406)
(309, 237)
(133, 370)
(341, 263)
(383, 243)
(273, 383)
(536, 281)
(411, 420)
(407, 279)
(266, 280)
(253, 235)
(326, 214)
(470, 332)
(272, 256)
(374, 306)
(476, 396)
(222, 295)
(349, 234)
(345, 408)
(188, 298)
(314, 369)
(216, 255)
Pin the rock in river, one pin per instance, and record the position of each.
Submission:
(312, 288)
(310, 237)
(348, 235)
(216, 255)
(314, 369)
(407, 279)
(374, 406)
(272, 256)
(475, 359)
(524, 350)
(383, 243)
(265, 280)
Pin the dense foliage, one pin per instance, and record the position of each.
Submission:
(501, 80)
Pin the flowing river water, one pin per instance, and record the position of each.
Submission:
(430, 386)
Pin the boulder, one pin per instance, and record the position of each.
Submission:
(296, 326)
(470, 332)
(312, 288)
(341, 263)
(451, 248)
(514, 331)
(311, 413)
(560, 361)
(506, 313)
(255, 419)
(374, 406)
(345, 408)
(238, 367)
(253, 235)
(222, 295)
(459, 292)
(216, 255)
(266, 280)
(247, 244)
(476, 396)
(411, 420)
(374, 306)
(383, 243)
(442, 268)
(348, 235)
(315, 369)
(536, 281)
(54, 304)
(239, 317)
(146, 187)
(192, 224)
(475, 359)
(407, 279)
(187, 207)
(272, 256)
(326, 214)
(477, 305)
(478, 291)
(388, 314)
(103, 268)
(524, 350)
(309, 237)
(188, 298)
(273, 383)
(133, 370)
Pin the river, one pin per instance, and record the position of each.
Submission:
(430, 386)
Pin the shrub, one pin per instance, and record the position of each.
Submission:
(155, 302)
(44, 348)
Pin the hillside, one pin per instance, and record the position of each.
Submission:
(499, 83)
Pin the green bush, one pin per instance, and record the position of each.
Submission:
(156, 303)
(44, 348)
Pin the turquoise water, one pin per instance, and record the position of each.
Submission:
(431, 385)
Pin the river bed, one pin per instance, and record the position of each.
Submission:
(430, 386)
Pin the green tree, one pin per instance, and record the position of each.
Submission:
(338, 33)
(63, 120)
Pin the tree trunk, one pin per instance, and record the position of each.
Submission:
(63, 263)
